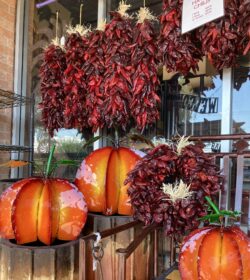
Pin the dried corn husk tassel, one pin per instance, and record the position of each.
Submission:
(177, 191)
(101, 25)
(145, 14)
(122, 9)
(182, 143)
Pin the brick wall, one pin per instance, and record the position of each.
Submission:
(7, 51)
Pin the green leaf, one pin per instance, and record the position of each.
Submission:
(214, 217)
(231, 213)
(66, 162)
(48, 167)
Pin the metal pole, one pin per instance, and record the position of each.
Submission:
(226, 120)
(226, 110)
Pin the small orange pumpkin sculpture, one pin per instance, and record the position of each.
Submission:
(42, 209)
(215, 253)
(101, 179)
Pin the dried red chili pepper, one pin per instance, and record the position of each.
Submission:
(244, 22)
(94, 68)
(52, 92)
(75, 112)
(180, 53)
(165, 164)
(118, 74)
(221, 39)
(144, 104)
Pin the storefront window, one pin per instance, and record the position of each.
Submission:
(241, 122)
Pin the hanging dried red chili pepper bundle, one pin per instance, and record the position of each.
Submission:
(118, 74)
(179, 52)
(75, 112)
(94, 68)
(221, 38)
(169, 185)
(244, 22)
(144, 104)
(52, 92)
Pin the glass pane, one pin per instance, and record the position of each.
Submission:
(241, 100)
(241, 124)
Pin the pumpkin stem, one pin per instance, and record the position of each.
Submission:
(48, 166)
(210, 202)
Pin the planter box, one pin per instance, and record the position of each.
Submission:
(36, 263)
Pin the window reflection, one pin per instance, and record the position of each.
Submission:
(200, 106)
(194, 105)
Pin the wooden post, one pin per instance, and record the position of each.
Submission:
(82, 258)
(121, 266)
(155, 253)
(172, 252)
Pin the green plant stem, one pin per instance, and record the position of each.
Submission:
(48, 166)
(216, 210)
(116, 138)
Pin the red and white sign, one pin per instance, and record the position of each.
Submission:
(198, 12)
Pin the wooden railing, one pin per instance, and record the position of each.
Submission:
(233, 194)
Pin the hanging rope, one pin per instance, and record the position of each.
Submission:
(57, 20)
(144, 3)
(81, 10)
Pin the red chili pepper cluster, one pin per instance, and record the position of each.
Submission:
(197, 169)
(75, 82)
(53, 96)
(221, 39)
(94, 69)
(118, 74)
(244, 21)
(163, 165)
(180, 53)
(144, 104)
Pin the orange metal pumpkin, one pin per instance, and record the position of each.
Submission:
(215, 253)
(42, 209)
(101, 179)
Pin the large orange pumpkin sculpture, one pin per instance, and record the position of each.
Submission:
(215, 253)
(101, 179)
(42, 209)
